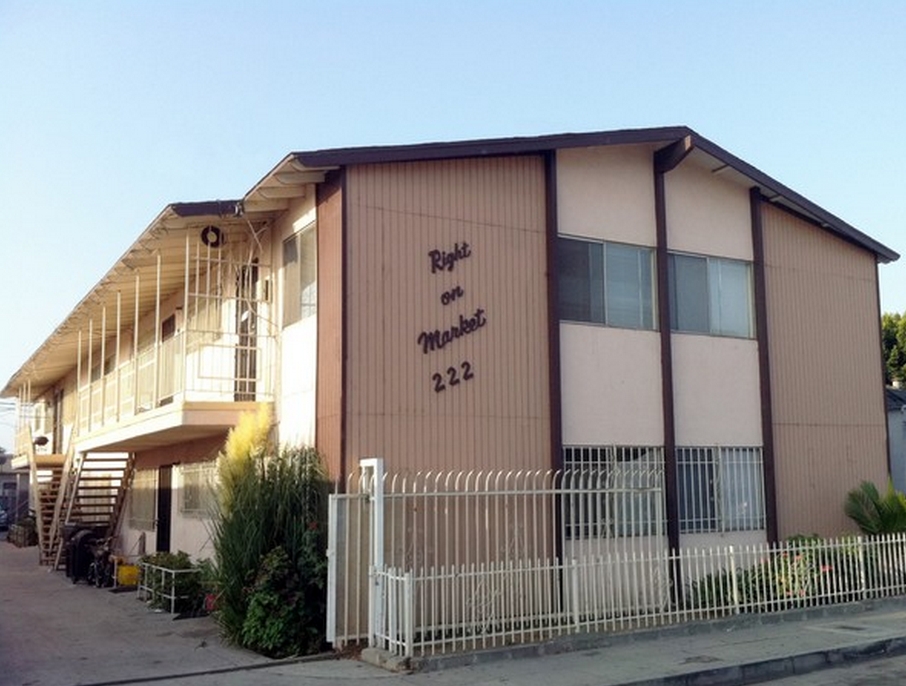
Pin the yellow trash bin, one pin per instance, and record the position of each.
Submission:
(127, 575)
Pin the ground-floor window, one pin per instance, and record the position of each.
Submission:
(613, 491)
(143, 500)
(196, 488)
(720, 489)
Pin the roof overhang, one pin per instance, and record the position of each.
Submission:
(297, 175)
(130, 286)
(686, 142)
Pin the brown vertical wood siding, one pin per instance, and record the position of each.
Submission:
(328, 430)
(828, 414)
(397, 215)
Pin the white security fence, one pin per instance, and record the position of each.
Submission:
(437, 563)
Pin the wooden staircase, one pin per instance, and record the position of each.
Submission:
(92, 495)
(47, 473)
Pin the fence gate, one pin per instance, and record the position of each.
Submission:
(446, 561)
(350, 555)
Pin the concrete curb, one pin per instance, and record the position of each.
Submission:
(321, 657)
(767, 670)
(579, 642)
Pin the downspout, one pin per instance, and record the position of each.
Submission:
(764, 366)
(665, 160)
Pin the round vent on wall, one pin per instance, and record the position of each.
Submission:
(212, 236)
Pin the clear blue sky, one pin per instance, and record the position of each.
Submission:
(111, 110)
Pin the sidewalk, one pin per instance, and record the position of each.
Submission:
(54, 633)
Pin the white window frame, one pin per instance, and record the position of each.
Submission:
(714, 297)
(603, 294)
(300, 275)
(196, 488)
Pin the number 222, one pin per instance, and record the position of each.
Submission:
(453, 377)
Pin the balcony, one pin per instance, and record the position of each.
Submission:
(192, 385)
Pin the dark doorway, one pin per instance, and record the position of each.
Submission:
(247, 328)
(58, 421)
(164, 500)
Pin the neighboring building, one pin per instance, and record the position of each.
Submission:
(896, 435)
(514, 303)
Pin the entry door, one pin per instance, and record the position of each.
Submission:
(58, 421)
(164, 501)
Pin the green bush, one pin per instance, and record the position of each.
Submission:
(875, 513)
(273, 502)
(187, 588)
(279, 621)
(796, 576)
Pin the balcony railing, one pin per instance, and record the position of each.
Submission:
(190, 366)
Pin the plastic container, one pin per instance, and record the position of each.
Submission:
(127, 575)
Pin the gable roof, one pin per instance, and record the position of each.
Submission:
(718, 160)
(290, 177)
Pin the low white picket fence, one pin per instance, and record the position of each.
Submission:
(455, 561)
(485, 605)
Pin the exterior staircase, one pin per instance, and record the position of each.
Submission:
(47, 472)
(92, 494)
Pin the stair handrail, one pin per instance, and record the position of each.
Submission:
(65, 495)
(33, 491)
(119, 504)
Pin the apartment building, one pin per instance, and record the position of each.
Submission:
(528, 303)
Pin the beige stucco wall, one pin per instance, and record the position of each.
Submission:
(826, 379)
(606, 193)
(716, 391)
(482, 400)
(610, 386)
(298, 364)
(610, 377)
(707, 214)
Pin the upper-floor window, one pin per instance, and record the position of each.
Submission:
(300, 272)
(606, 283)
(711, 295)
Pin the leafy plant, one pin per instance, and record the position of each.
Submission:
(185, 587)
(274, 501)
(279, 622)
(875, 513)
(799, 574)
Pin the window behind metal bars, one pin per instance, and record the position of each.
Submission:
(720, 489)
(612, 491)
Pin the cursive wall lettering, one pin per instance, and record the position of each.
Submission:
(437, 339)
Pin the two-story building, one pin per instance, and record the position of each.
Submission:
(528, 303)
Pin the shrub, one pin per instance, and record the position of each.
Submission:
(874, 513)
(270, 503)
(797, 575)
(279, 621)
(186, 587)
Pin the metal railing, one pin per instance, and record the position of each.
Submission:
(443, 562)
(164, 588)
(472, 523)
(205, 368)
(481, 606)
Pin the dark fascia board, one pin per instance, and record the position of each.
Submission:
(824, 218)
(661, 136)
(213, 208)
(487, 147)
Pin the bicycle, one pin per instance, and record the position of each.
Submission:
(100, 570)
